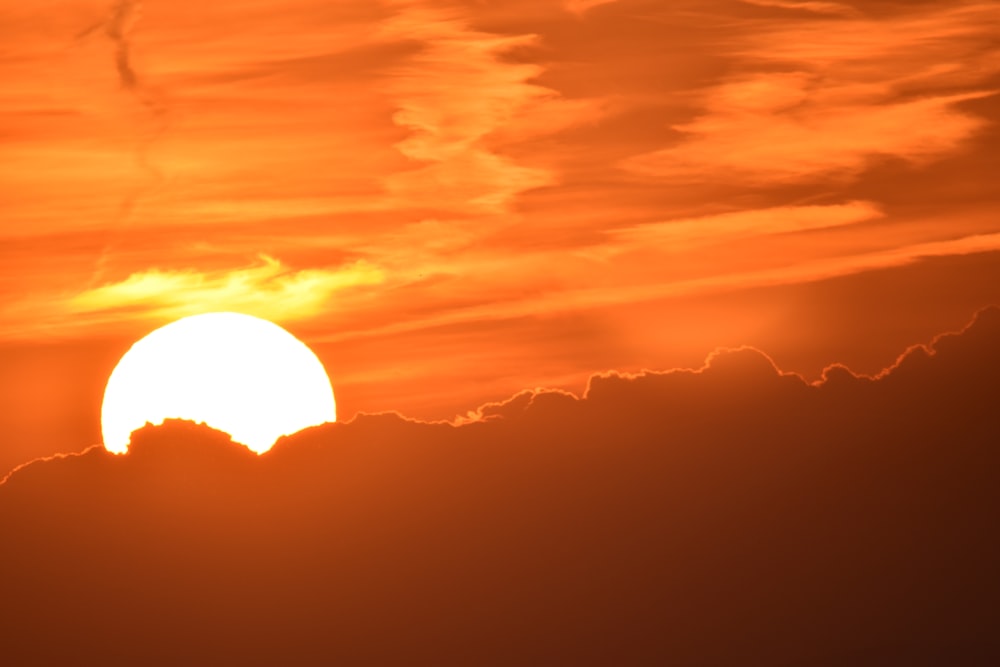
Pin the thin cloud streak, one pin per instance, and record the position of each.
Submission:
(583, 299)
(269, 290)
(581, 6)
(685, 235)
(834, 8)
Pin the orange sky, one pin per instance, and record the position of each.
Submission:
(453, 201)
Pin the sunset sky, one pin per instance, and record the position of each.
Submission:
(453, 201)
(500, 332)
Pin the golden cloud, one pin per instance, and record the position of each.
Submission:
(268, 290)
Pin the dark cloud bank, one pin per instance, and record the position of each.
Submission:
(731, 516)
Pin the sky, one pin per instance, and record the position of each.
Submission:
(453, 201)
(660, 332)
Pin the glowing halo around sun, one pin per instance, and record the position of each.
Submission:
(236, 373)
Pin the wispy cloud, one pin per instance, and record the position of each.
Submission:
(822, 99)
(581, 6)
(267, 290)
(581, 299)
(687, 234)
(834, 8)
(898, 45)
(784, 127)
(451, 95)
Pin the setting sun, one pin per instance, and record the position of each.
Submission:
(236, 373)
(661, 333)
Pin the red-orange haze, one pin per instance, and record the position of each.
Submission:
(452, 202)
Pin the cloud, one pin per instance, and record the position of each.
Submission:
(269, 290)
(785, 127)
(681, 235)
(816, 99)
(951, 34)
(719, 515)
(451, 95)
(307, 130)
(744, 271)
(582, 6)
(835, 8)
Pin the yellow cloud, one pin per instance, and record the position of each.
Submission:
(268, 290)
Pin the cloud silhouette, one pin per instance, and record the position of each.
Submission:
(732, 515)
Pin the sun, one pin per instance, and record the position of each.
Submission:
(236, 373)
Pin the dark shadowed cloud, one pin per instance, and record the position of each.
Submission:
(734, 515)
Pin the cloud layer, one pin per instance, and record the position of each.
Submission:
(727, 516)
(139, 140)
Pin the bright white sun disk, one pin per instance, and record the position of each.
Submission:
(236, 373)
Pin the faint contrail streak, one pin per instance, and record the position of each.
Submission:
(117, 29)
(117, 26)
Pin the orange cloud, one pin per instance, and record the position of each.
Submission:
(684, 235)
(451, 95)
(835, 8)
(786, 127)
(828, 98)
(791, 272)
(888, 48)
(581, 6)
(563, 294)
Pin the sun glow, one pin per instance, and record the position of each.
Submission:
(236, 373)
